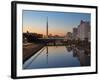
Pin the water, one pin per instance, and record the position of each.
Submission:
(57, 56)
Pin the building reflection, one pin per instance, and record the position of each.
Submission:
(69, 48)
(83, 58)
(74, 53)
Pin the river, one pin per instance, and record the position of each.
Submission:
(55, 57)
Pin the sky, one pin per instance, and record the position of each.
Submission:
(59, 23)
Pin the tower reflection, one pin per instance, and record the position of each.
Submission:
(47, 54)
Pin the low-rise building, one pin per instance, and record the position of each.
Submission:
(68, 36)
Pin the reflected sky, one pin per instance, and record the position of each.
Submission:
(59, 22)
(56, 56)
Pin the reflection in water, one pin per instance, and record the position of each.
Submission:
(57, 56)
(74, 53)
(47, 54)
(69, 48)
(82, 57)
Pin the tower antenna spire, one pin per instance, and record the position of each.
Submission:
(47, 27)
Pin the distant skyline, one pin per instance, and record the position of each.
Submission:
(59, 23)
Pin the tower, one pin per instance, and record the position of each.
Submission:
(47, 28)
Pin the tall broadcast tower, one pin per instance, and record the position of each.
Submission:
(47, 28)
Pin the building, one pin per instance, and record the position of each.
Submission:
(83, 30)
(89, 36)
(68, 36)
(74, 34)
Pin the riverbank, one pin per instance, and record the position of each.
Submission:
(30, 49)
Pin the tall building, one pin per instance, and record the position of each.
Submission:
(84, 30)
(75, 32)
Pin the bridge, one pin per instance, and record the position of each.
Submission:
(53, 41)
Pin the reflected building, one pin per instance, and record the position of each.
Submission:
(69, 49)
(83, 58)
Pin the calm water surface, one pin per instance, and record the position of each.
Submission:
(57, 56)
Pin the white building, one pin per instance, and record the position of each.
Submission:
(84, 30)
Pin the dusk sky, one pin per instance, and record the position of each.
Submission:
(59, 23)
